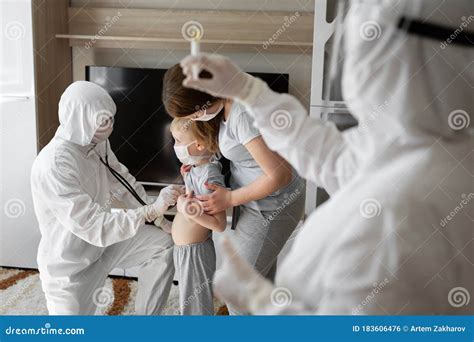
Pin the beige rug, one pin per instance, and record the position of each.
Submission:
(21, 294)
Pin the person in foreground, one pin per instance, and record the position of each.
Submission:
(396, 236)
(194, 254)
(81, 239)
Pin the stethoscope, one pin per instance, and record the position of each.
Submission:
(119, 177)
(122, 180)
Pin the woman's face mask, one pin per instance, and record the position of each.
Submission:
(185, 158)
(207, 116)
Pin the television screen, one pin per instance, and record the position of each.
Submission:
(141, 138)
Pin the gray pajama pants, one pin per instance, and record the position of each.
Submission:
(261, 235)
(195, 265)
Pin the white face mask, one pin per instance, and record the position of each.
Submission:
(104, 131)
(206, 116)
(185, 158)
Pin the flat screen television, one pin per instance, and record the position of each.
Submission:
(141, 138)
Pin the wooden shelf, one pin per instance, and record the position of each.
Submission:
(241, 31)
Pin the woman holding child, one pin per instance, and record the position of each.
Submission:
(261, 183)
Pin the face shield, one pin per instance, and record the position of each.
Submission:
(368, 51)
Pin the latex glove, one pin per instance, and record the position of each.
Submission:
(167, 197)
(238, 284)
(227, 81)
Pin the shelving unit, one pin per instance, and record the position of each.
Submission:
(156, 28)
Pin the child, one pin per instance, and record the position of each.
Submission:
(194, 254)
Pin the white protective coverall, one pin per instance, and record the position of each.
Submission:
(396, 236)
(82, 240)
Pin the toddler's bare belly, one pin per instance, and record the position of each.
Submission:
(186, 232)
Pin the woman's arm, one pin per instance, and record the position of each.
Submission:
(316, 149)
(277, 173)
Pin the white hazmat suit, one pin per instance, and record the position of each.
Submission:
(396, 236)
(82, 240)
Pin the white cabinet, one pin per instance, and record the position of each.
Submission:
(325, 104)
(19, 234)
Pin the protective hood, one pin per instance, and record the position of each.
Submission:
(396, 82)
(82, 108)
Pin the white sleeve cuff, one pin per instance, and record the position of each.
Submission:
(255, 87)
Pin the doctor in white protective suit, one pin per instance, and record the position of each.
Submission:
(82, 240)
(396, 236)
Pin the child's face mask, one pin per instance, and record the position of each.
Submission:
(208, 116)
(184, 157)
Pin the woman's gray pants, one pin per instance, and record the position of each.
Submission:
(259, 236)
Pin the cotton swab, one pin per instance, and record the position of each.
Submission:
(193, 31)
(195, 49)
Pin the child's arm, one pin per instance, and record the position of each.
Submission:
(216, 222)
(192, 209)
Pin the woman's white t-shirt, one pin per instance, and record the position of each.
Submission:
(234, 134)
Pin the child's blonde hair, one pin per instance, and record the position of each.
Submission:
(205, 132)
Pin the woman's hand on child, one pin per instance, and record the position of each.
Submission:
(184, 169)
(218, 201)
